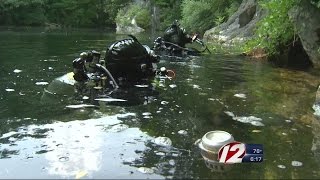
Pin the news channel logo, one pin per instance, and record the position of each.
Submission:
(237, 152)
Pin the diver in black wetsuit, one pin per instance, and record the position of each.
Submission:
(177, 35)
(174, 41)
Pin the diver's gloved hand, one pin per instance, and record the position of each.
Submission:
(195, 38)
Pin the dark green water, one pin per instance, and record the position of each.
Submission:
(40, 140)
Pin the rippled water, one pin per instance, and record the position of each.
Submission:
(153, 138)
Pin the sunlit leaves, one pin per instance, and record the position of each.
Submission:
(275, 30)
(199, 16)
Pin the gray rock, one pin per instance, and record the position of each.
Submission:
(306, 21)
(132, 28)
(239, 26)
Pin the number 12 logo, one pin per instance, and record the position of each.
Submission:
(232, 153)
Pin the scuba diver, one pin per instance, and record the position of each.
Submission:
(130, 62)
(127, 63)
(174, 41)
(127, 66)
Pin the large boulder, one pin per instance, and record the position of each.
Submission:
(306, 21)
(239, 26)
(131, 28)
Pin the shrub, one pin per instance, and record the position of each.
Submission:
(274, 31)
(202, 15)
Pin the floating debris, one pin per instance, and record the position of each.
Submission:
(110, 100)
(163, 141)
(164, 102)
(85, 97)
(77, 106)
(172, 85)
(284, 134)
(9, 90)
(288, 121)
(281, 166)
(42, 83)
(256, 123)
(196, 86)
(145, 170)
(146, 113)
(21, 94)
(250, 119)
(126, 115)
(17, 71)
(240, 95)
(256, 131)
(160, 153)
(229, 113)
(147, 117)
(182, 132)
(50, 68)
(141, 86)
(296, 163)
(49, 60)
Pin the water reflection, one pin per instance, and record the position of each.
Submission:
(94, 148)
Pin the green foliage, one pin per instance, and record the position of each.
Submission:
(84, 13)
(275, 31)
(316, 3)
(170, 10)
(139, 12)
(202, 15)
(22, 12)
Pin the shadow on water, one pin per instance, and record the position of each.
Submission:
(253, 101)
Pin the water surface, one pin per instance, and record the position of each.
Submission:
(212, 92)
